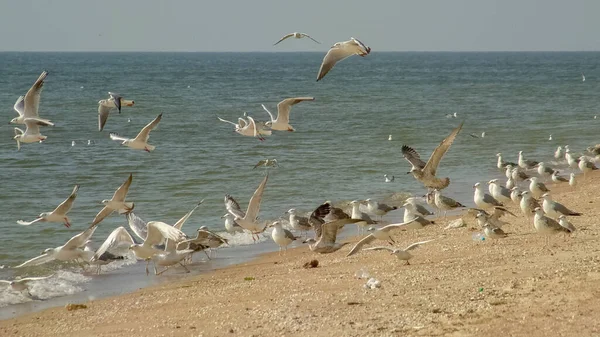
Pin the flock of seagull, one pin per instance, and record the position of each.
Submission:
(166, 245)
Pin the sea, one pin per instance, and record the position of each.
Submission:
(339, 151)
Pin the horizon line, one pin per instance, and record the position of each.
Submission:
(296, 51)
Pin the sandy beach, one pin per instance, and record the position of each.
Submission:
(454, 286)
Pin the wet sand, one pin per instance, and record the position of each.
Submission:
(454, 286)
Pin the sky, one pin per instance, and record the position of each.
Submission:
(254, 25)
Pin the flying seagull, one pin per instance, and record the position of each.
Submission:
(140, 142)
(27, 106)
(117, 203)
(282, 122)
(296, 35)
(249, 219)
(401, 254)
(339, 51)
(106, 105)
(425, 172)
(59, 214)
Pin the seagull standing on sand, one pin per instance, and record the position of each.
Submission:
(544, 170)
(528, 204)
(298, 222)
(425, 172)
(326, 232)
(249, 219)
(525, 163)
(282, 122)
(519, 175)
(401, 254)
(572, 181)
(558, 153)
(571, 160)
(377, 208)
(383, 233)
(556, 209)
(499, 192)
(562, 220)
(444, 203)
(586, 166)
(501, 163)
(140, 142)
(116, 203)
(515, 195)
(492, 232)
(493, 219)
(295, 35)
(412, 213)
(340, 51)
(537, 188)
(281, 236)
(484, 200)
(59, 214)
(558, 179)
(28, 106)
(547, 226)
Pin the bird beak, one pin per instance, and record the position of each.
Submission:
(408, 172)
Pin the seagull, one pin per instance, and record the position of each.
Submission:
(137, 225)
(297, 36)
(550, 138)
(267, 163)
(204, 239)
(249, 219)
(390, 137)
(582, 77)
(544, 171)
(558, 179)
(499, 192)
(444, 203)
(297, 222)
(281, 236)
(411, 213)
(378, 209)
(30, 135)
(382, 233)
(572, 181)
(484, 200)
(103, 260)
(261, 127)
(547, 226)
(518, 175)
(282, 122)
(493, 219)
(420, 209)
(106, 105)
(339, 51)
(555, 209)
(357, 214)
(59, 214)
(452, 115)
(326, 234)
(388, 179)
(492, 232)
(72, 250)
(571, 160)
(586, 166)
(515, 195)
(528, 204)
(425, 172)
(21, 285)
(501, 163)
(140, 142)
(401, 254)
(558, 153)
(245, 128)
(537, 188)
(510, 183)
(231, 226)
(169, 259)
(524, 163)
(27, 106)
(116, 203)
(562, 220)
(157, 233)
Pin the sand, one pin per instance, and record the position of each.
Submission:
(454, 286)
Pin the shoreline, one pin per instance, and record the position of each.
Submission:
(511, 286)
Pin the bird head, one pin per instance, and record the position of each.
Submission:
(43, 215)
(498, 154)
(291, 211)
(309, 241)
(14, 120)
(105, 201)
(477, 184)
(546, 196)
(493, 181)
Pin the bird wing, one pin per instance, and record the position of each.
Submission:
(269, 112)
(254, 204)
(137, 225)
(362, 48)
(20, 105)
(413, 157)
(543, 187)
(433, 162)
(252, 125)
(389, 249)
(116, 137)
(121, 192)
(416, 244)
(181, 221)
(241, 122)
(397, 225)
(32, 97)
(283, 38)
(488, 199)
(260, 163)
(308, 36)
(66, 205)
(226, 121)
(334, 55)
(233, 207)
(80, 239)
(103, 112)
(104, 212)
(158, 230)
(145, 133)
(358, 246)
(36, 261)
(117, 99)
(289, 235)
(33, 126)
(29, 279)
(500, 211)
(117, 237)
(25, 223)
(284, 107)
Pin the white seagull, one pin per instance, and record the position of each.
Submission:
(59, 214)
(30, 135)
(245, 128)
(282, 122)
(27, 106)
(21, 285)
(401, 254)
(106, 105)
(297, 36)
(382, 233)
(140, 142)
(340, 51)
(116, 203)
(249, 219)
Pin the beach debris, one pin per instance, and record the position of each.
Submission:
(353, 303)
(458, 223)
(362, 274)
(75, 306)
(249, 278)
(478, 237)
(372, 283)
(311, 264)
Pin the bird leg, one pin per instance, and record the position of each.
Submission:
(67, 224)
(204, 250)
(162, 271)
(407, 263)
(147, 263)
(184, 267)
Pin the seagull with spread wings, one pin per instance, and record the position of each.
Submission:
(59, 214)
(106, 105)
(249, 219)
(383, 233)
(28, 106)
(140, 142)
(245, 128)
(116, 203)
(401, 254)
(340, 51)
(282, 122)
(326, 232)
(425, 172)
(21, 285)
(297, 36)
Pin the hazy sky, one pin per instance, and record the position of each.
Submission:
(254, 25)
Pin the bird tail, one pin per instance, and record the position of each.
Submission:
(128, 208)
(150, 147)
